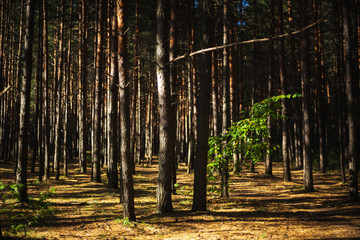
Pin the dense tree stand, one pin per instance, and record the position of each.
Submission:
(106, 99)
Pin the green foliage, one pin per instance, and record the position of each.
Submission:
(125, 221)
(24, 215)
(249, 135)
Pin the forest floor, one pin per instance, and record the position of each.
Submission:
(259, 207)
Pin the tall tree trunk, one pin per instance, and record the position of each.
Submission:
(21, 177)
(339, 91)
(172, 77)
(350, 100)
(66, 128)
(225, 99)
(99, 69)
(2, 57)
(135, 96)
(255, 64)
(190, 87)
(37, 150)
(320, 87)
(82, 87)
(269, 155)
(199, 199)
(166, 131)
(126, 166)
(18, 70)
(112, 172)
(46, 82)
(281, 52)
(58, 92)
(296, 83)
(233, 81)
(41, 100)
(305, 79)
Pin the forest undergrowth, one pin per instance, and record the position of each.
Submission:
(259, 207)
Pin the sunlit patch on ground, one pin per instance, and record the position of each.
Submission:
(259, 207)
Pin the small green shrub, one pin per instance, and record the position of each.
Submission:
(249, 136)
(24, 215)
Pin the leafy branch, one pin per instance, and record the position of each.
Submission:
(250, 136)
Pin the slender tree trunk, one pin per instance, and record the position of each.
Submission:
(199, 199)
(66, 128)
(40, 122)
(59, 79)
(214, 95)
(99, 69)
(2, 57)
(126, 166)
(295, 83)
(173, 78)
(284, 145)
(225, 99)
(112, 172)
(305, 79)
(21, 176)
(82, 87)
(138, 122)
(233, 81)
(38, 107)
(320, 87)
(255, 64)
(18, 70)
(190, 88)
(166, 131)
(350, 100)
(148, 135)
(269, 155)
(339, 91)
(135, 102)
(45, 76)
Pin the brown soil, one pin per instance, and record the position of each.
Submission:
(259, 207)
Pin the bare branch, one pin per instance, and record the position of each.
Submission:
(216, 48)
(5, 90)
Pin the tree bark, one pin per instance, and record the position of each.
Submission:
(166, 131)
(18, 70)
(82, 87)
(126, 167)
(40, 122)
(269, 155)
(190, 88)
(112, 172)
(305, 79)
(21, 177)
(173, 78)
(225, 99)
(340, 91)
(99, 69)
(350, 100)
(199, 198)
(45, 76)
(135, 96)
(320, 87)
(255, 69)
(66, 128)
(281, 54)
(58, 92)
